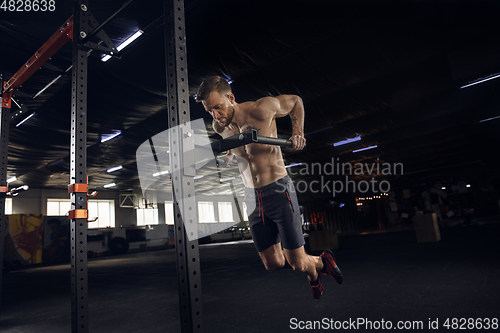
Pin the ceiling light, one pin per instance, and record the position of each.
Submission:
(468, 185)
(124, 44)
(12, 179)
(107, 137)
(116, 168)
(346, 141)
(443, 188)
(228, 78)
(25, 119)
(226, 179)
(371, 147)
(492, 118)
(198, 177)
(292, 165)
(15, 102)
(481, 81)
(158, 174)
(109, 185)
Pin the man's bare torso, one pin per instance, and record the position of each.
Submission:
(259, 164)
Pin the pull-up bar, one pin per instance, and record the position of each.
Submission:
(247, 138)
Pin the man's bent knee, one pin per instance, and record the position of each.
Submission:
(300, 267)
(274, 262)
(274, 266)
(300, 264)
(273, 258)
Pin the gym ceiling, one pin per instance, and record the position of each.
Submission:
(388, 71)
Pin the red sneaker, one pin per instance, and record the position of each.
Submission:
(316, 289)
(330, 267)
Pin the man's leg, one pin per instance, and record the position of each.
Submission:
(273, 257)
(304, 263)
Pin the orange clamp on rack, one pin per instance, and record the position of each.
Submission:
(77, 214)
(7, 97)
(78, 188)
(4, 189)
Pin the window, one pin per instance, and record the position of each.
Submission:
(8, 206)
(58, 207)
(147, 216)
(103, 209)
(225, 212)
(169, 212)
(206, 212)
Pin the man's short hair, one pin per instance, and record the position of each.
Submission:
(213, 83)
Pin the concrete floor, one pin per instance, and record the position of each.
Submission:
(388, 276)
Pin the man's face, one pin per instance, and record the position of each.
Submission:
(220, 107)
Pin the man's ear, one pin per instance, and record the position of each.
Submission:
(231, 98)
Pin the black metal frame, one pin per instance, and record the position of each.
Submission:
(182, 169)
(103, 24)
(4, 153)
(78, 171)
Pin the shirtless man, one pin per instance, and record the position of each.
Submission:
(276, 225)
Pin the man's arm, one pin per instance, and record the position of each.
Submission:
(293, 106)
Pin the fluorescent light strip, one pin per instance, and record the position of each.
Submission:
(226, 179)
(371, 147)
(15, 102)
(481, 81)
(109, 185)
(12, 179)
(346, 141)
(25, 119)
(55, 80)
(198, 177)
(492, 118)
(228, 78)
(124, 44)
(292, 165)
(158, 174)
(116, 168)
(107, 137)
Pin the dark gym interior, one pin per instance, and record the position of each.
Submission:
(409, 206)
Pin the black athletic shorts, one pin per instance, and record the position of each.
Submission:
(274, 215)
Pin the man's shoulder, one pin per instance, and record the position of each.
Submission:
(266, 104)
(269, 101)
